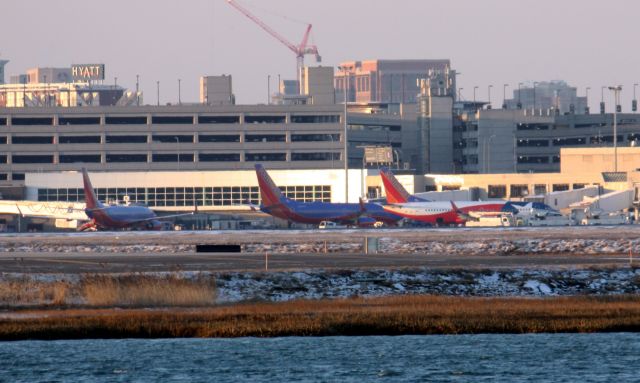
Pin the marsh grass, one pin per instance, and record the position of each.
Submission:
(379, 316)
(128, 290)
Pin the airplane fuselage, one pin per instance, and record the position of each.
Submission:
(119, 217)
(316, 212)
(442, 213)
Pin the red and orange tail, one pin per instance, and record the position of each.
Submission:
(269, 192)
(89, 194)
(396, 193)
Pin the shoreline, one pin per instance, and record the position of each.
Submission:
(400, 315)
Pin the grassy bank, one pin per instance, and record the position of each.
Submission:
(379, 316)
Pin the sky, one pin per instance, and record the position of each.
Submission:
(587, 43)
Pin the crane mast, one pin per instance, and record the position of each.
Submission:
(300, 50)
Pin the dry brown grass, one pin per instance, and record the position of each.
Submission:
(109, 290)
(379, 316)
(144, 291)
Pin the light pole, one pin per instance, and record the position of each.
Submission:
(602, 106)
(586, 108)
(460, 93)
(268, 89)
(158, 91)
(474, 95)
(634, 102)
(179, 92)
(489, 94)
(344, 134)
(137, 90)
(504, 96)
(616, 93)
(519, 93)
(535, 83)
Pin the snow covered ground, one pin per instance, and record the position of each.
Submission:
(284, 286)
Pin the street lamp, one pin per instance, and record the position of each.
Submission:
(616, 92)
(602, 106)
(535, 83)
(474, 95)
(344, 134)
(179, 92)
(158, 91)
(634, 102)
(504, 96)
(489, 93)
(268, 89)
(586, 108)
(519, 93)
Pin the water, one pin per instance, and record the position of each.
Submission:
(458, 358)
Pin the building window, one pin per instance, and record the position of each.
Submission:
(578, 186)
(326, 119)
(79, 121)
(18, 176)
(430, 188)
(32, 121)
(172, 138)
(497, 191)
(168, 157)
(219, 157)
(3, 176)
(3, 140)
(77, 158)
(32, 159)
(265, 138)
(569, 141)
(135, 120)
(533, 159)
(529, 142)
(219, 138)
(257, 157)
(32, 140)
(3, 121)
(317, 156)
(218, 119)
(519, 191)
(126, 139)
(79, 139)
(3, 159)
(119, 158)
(265, 119)
(555, 159)
(450, 187)
(560, 187)
(532, 126)
(315, 137)
(539, 189)
(172, 120)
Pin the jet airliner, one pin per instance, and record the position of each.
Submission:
(112, 217)
(276, 204)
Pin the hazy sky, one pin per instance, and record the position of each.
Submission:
(584, 42)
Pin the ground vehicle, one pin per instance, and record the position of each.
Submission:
(330, 225)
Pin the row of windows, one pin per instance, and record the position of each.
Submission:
(170, 138)
(184, 120)
(570, 141)
(187, 196)
(167, 157)
(516, 191)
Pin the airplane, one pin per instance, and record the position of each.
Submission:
(276, 204)
(396, 193)
(113, 217)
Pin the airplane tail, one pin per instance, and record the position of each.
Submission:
(269, 192)
(89, 194)
(396, 193)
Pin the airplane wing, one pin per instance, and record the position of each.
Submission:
(158, 218)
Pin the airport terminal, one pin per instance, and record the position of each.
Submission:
(542, 145)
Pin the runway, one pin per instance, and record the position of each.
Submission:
(74, 263)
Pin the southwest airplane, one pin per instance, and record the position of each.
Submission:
(108, 217)
(276, 204)
(448, 212)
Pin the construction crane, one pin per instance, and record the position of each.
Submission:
(300, 50)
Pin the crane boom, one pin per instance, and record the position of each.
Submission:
(264, 26)
(300, 50)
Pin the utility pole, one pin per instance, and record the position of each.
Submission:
(616, 93)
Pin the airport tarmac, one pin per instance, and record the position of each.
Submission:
(252, 262)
